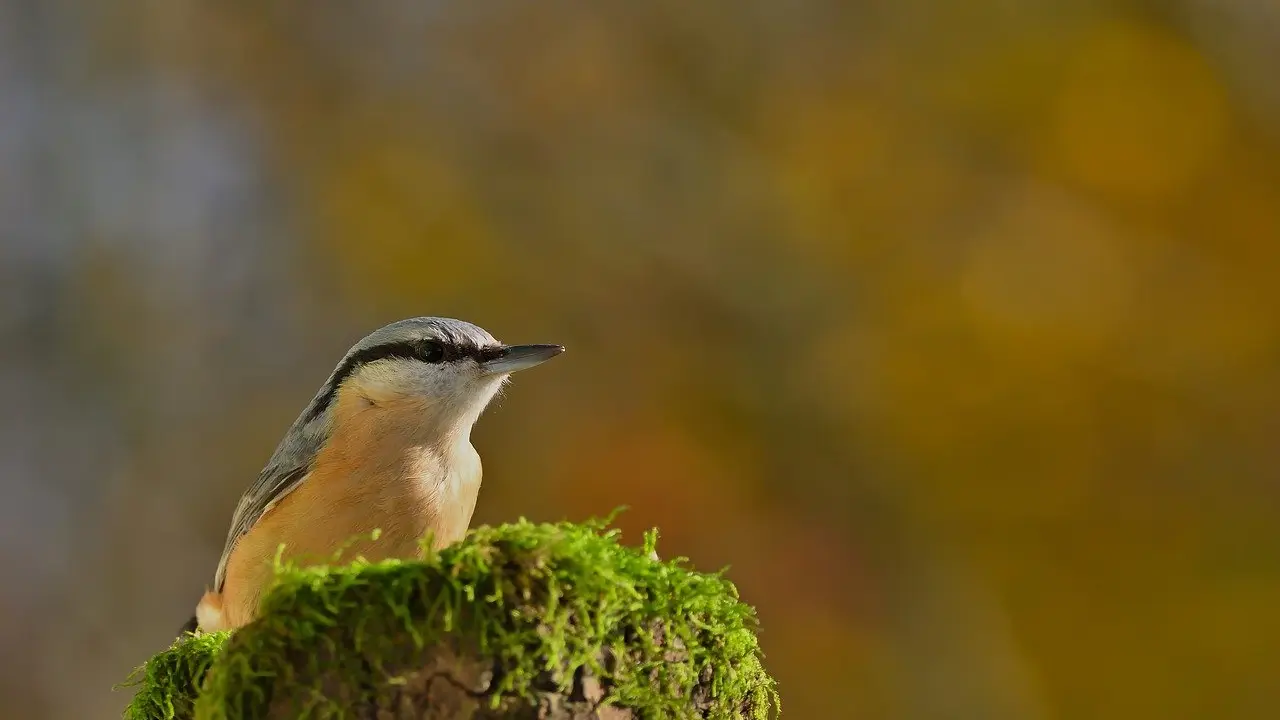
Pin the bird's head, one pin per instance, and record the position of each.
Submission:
(448, 369)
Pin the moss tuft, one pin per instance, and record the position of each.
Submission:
(544, 604)
(169, 683)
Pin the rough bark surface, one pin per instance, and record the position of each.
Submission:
(453, 686)
(451, 681)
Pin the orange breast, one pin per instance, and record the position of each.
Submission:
(366, 478)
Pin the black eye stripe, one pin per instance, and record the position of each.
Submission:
(428, 351)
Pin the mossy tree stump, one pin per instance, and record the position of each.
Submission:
(518, 621)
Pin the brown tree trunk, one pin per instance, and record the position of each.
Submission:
(452, 681)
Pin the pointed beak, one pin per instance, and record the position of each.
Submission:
(520, 357)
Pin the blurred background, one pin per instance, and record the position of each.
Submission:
(951, 327)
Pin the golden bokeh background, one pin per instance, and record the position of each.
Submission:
(952, 328)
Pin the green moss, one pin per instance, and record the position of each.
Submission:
(168, 683)
(542, 600)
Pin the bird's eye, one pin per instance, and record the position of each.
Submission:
(432, 352)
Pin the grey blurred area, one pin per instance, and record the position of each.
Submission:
(819, 267)
(140, 275)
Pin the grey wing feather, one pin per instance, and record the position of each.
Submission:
(267, 490)
(286, 469)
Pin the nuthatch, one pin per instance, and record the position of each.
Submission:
(385, 444)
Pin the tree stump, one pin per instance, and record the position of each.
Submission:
(546, 621)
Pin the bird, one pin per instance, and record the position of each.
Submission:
(382, 451)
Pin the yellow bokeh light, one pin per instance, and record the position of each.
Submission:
(1140, 113)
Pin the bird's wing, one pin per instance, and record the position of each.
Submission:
(270, 487)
